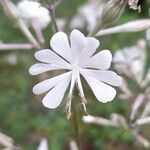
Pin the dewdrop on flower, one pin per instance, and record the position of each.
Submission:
(77, 56)
(33, 13)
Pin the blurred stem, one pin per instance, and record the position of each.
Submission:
(52, 14)
(57, 3)
(76, 126)
(13, 15)
(28, 34)
(53, 21)
(15, 46)
(52, 7)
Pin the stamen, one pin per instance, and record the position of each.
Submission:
(84, 106)
(69, 99)
(68, 106)
(81, 93)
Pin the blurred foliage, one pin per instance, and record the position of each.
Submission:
(24, 118)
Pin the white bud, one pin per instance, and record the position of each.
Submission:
(99, 121)
(112, 10)
(132, 26)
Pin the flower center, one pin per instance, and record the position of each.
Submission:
(75, 72)
(75, 80)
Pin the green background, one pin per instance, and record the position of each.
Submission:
(22, 115)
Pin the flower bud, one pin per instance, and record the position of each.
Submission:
(112, 11)
(132, 26)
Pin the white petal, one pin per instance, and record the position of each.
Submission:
(103, 92)
(77, 40)
(101, 60)
(41, 67)
(60, 44)
(91, 45)
(109, 77)
(48, 56)
(55, 96)
(46, 85)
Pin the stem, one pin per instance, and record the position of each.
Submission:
(13, 14)
(52, 14)
(38, 31)
(15, 46)
(76, 126)
(57, 3)
(28, 34)
(54, 21)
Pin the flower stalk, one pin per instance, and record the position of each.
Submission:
(15, 46)
(51, 9)
(76, 126)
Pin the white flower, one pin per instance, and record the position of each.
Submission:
(128, 55)
(87, 14)
(32, 11)
(131, 60)
(43, 144)
(77, 56)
